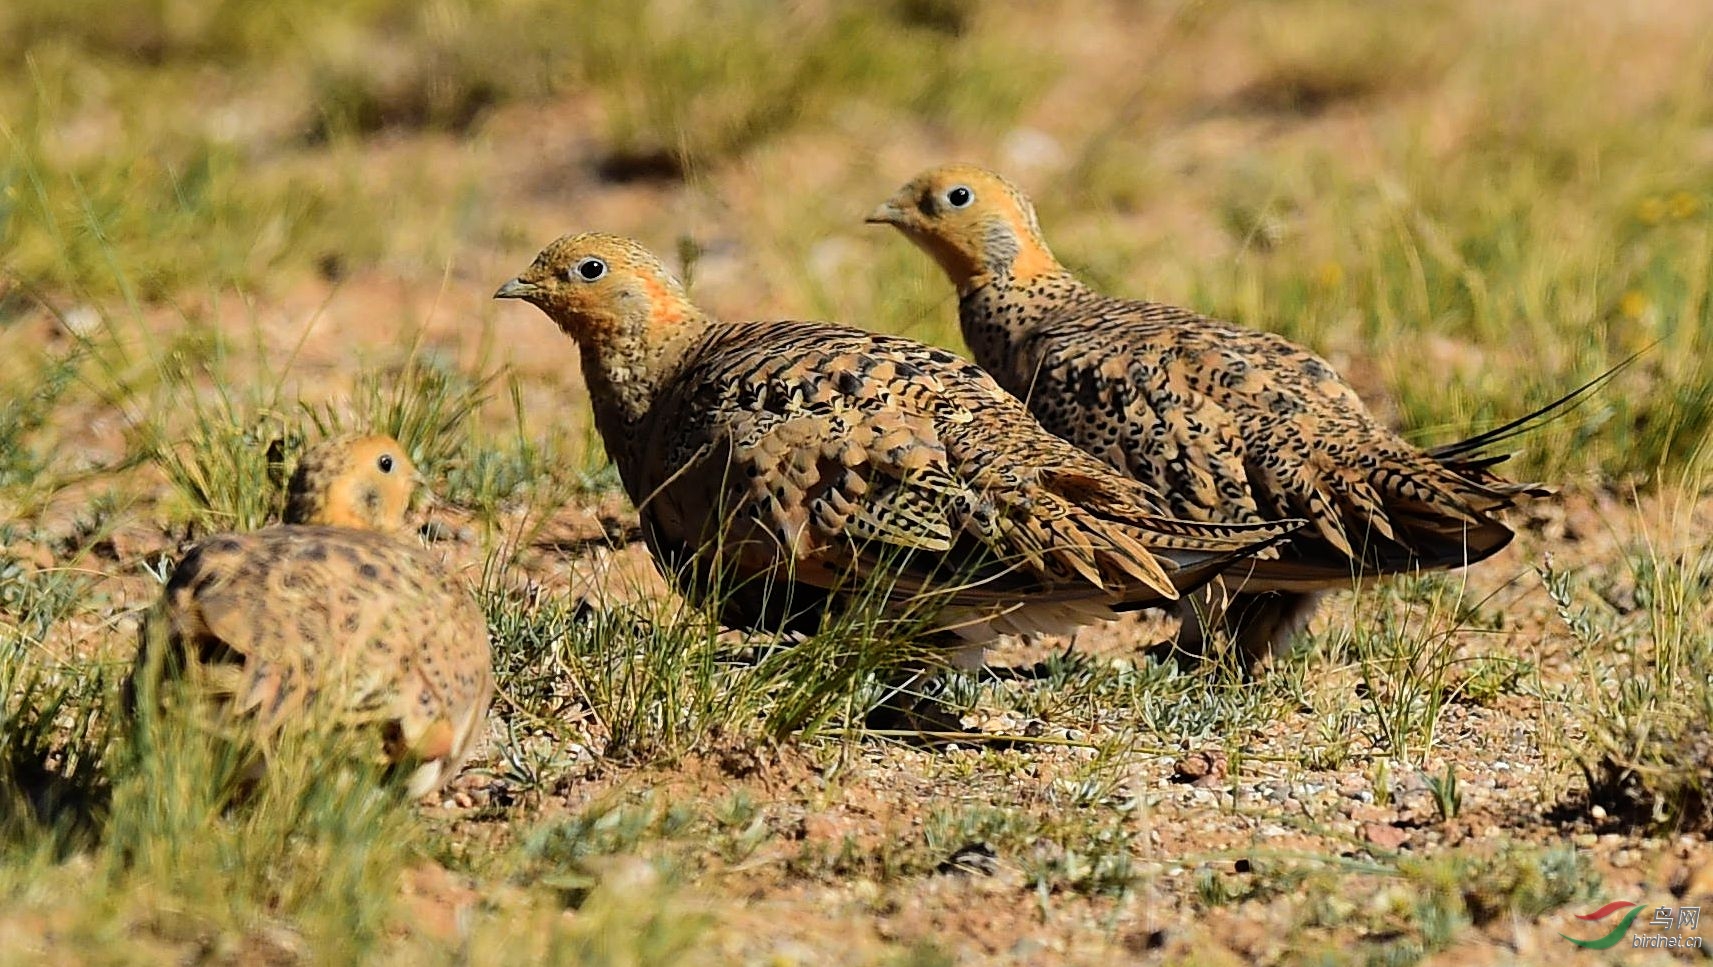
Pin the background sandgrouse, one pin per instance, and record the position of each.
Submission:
(778, 466)
(1228, 423)
(332, 615)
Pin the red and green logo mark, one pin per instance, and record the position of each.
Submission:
(1617, 932)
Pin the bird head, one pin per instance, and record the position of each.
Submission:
(973, 222)
(363, 482)
(604, 291)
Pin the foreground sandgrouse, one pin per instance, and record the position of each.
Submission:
(782, 467)
(332, 616)
(1230, 424)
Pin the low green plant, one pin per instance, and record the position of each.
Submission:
(1447, 797)
(1645, 705)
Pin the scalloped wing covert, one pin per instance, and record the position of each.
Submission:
(818, 456)
(1235, 424)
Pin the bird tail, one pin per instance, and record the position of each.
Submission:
(1474, 457)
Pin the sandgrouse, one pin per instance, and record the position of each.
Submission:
(330, 617)
(778, 467)
(1228, 423)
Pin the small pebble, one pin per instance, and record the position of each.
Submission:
(81, 321)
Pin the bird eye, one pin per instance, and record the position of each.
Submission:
(589, 269)
(960, 196)
(385, 463)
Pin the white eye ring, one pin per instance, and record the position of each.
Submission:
(587, 269)
(960, 196)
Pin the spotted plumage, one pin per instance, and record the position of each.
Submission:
(778, 466)
(332, 616)
(1228, 423)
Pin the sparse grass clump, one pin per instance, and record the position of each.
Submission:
(53, 728)
(1646, 643)
(25, 410)
(659, 679)
(315, 845)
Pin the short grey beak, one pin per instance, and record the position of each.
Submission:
(887, 214)
(516, 289)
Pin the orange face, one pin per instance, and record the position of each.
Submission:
(600, 288)
(363, 482)
(972, 222)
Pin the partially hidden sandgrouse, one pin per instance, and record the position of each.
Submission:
(1230, 424)
(782, 467)
(330, 617)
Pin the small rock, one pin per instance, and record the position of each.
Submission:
(435, 531)
(81, 321)
(971, 859)
(1364, 813)
(1384, 835)
(1201, 768)
(1144, 941)
(1698, 882)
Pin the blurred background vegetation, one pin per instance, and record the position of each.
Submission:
(1470, 208)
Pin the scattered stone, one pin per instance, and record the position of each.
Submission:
(971, 859)
(1364, 813)
(80, 321)
(1697, 881)
(435, 532)
(1202, 768)
(1385, 835)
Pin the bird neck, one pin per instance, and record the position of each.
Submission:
(347, 503)
(1018, 301)
(1005, 246)
(999, 316)
(627, 372)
